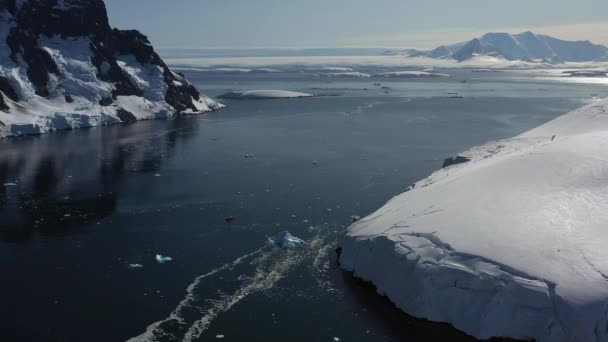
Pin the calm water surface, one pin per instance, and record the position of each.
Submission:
(76, 208)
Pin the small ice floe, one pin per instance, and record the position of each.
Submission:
(263, 94)
(163, 259)
(136, 266)
(219, 336)
(355, 218)
(249, 155)
(157, 175)
(10, 184)
(285, 240)
(336, 339)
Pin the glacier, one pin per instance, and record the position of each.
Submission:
(507, 240)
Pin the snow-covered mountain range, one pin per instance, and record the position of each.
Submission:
(62, 66)
(526, 46)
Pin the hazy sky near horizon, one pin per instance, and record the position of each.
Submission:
(352, 23)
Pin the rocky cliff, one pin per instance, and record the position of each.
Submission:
(62, 66)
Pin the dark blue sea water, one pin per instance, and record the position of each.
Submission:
(76, 208)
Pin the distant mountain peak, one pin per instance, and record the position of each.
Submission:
(525, 46)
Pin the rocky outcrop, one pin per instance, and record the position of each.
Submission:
(62, 56)
(455, 160)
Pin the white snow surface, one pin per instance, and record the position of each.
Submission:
(511, 243)
(263, 94)
(412, 74)
(34, 114)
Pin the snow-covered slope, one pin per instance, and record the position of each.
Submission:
(526, 46)
(508, 239)
(62, 66)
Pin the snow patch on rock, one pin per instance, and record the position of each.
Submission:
(68, 89)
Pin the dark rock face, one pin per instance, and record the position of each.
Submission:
(8, 91)
(35, 19)
(3, 106)
(455, 160)
(126, 116)
(6, 88)
(180, 93)
(106, 101)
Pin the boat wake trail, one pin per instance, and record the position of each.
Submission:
(251, 273)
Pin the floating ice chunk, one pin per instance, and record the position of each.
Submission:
(136, 266)
(347, 74)
(163, 259)
(411, 74)
(285, 240)
(10, 184)
(263, 94)
(157, 175)
(336, 339)
(219, 336)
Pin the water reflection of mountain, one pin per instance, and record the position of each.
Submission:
(56, 184)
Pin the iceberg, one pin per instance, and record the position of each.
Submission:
(263, 94)
(411, 74)
(508, 242)
(347, 74)
(285, 240)
(163, 259)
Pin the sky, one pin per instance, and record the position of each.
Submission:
(242, 24)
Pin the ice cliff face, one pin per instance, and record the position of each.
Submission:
(62, 66)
